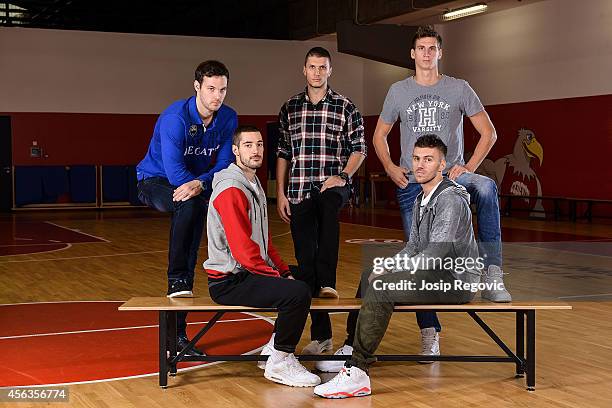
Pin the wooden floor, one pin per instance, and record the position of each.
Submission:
(574, 367)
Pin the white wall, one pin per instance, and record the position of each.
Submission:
(546, 50)
(76, 71)
(377, 78)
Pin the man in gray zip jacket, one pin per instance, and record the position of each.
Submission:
(439, 265)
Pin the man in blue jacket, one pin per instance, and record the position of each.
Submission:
(192, 141)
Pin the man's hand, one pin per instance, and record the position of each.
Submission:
(188, 190)
(398, 175)
(456, 171)
(375, 275)
(333, 181)
(282, 206)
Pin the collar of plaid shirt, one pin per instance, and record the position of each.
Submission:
(326, 98)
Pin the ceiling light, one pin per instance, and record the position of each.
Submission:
(464, 12)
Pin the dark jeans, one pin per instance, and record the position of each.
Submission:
(291, 297)
(316, 238)
(378, 304)
(186, 230)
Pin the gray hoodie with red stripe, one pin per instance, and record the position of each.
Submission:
(237, 229)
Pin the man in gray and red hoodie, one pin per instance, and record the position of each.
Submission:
(243, 266)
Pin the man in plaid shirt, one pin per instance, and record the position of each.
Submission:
(321, 146)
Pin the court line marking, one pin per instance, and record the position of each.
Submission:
(62, 301)
(77, 231)
(180, 370)
(44, 244)
(80, 257)
(584, 296)
(67, 245)
(93, 256)
(110, 329)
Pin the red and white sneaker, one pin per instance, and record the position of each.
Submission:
(350, 382)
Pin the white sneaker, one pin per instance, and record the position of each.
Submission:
(430, 343)
(334, 366)
(350, 382)
(318, 347)
(328, 292)
(494, 277)
(266, 351)
(284, 368)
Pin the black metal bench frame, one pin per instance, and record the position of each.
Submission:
(523, 357)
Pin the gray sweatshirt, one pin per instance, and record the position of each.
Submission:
(237, 229)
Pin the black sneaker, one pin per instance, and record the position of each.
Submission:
(182, 342)
(179, 288)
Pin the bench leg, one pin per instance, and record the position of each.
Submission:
(172, 334)
(531, 352)
(589, 211)
(520, 343)
(573, 209)
(163, 347)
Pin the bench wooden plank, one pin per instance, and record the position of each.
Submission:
(204, 304)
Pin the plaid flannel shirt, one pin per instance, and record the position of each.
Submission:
(317, 140)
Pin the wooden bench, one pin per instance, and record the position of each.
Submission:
(507, 208)
(588, 213)
(523, 357)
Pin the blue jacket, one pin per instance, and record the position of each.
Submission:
(181, 150)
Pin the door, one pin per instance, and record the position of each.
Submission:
(6, 163)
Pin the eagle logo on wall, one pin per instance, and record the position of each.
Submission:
(514, 175)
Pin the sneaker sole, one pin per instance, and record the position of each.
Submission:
(340, 395)
(182, 294)
(491, 298)
(323, 350)
(328, 295)
(329, 370)
(284, 382)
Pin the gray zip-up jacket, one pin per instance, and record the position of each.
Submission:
(445, 233)
(237, 229)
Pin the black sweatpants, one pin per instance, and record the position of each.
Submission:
(291, 298)
(316, 238)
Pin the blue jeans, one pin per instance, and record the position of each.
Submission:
(186, 227)
(483, 194)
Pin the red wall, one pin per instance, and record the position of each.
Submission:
(576, 136)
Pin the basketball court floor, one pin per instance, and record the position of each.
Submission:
(63, 275)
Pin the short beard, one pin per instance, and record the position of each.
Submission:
(248, 166)
(427, 181)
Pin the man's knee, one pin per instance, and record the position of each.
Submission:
(193, 207)
(481, 186)
(300, 293)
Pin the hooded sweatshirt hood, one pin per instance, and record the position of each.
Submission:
(445, 228)
(237, 228)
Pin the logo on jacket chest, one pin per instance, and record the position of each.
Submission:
(200, 151)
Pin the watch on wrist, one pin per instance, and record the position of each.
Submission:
(344, 176)
(202, 185)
